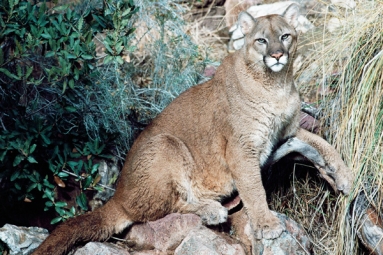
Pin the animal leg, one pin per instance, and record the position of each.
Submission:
(243, 160)
(332, 168)
(210, 211)
(157, 177)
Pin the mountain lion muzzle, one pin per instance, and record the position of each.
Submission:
(211, 141)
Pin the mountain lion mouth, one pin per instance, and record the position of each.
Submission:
(274, 64)
(277, 67)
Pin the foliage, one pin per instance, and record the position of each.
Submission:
(47, 68)
(63, 108)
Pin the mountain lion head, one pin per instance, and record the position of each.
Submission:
(270, 40)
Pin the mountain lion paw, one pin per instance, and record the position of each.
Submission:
(213, 214)
(269, 228)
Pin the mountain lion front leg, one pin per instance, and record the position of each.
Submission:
(334, 169)
(244, 164)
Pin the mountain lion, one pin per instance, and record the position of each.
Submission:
(211, 142)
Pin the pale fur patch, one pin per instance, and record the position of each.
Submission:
(122, 224)
(276, 65)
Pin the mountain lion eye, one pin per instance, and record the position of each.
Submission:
(261, 40)
(285, 36)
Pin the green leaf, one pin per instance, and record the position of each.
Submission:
(126, 12)
(61, 204)
(71, 56)
(60, 211)
(32, 160)
(18, 159)
(47, 141)
(62, 175)
(64, 86)
(46, 36)
(71, 212)
(17, 186)
(19, 71)
(80, 23)
(70, 108)
(48, 194)
(32, 148)
(87, 57)
(60, 8)
(49, 203)
(56, 220)
(31, 187)
(29, 71)
(14, 175)
(2, 155)
(95, 168)
(72, 164)
(88, 182)
(119, 47)
(107, 46)
(48, 184)
(119, 60)
(71, 83)
(9, 74)
(82, 201)
(49, 54)
(108, 59)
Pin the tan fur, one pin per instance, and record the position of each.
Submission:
(208, 143)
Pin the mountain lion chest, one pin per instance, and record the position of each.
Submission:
(279, 120)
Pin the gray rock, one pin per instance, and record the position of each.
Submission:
(22, 240)
(367, 220)
(293, 241)
(96, 248)
(204, 241)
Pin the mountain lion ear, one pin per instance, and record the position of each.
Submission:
(246, 22)
(291, 14)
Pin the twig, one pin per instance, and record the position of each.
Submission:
(301, 245)
(318, 207)
(369, 62)
(75, 175)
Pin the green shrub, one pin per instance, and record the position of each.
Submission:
(62, 108)
(48, 96)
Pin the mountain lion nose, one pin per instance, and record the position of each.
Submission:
(277, 55)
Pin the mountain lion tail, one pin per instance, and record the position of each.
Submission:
(93, 226)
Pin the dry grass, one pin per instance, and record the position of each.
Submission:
(353, 111)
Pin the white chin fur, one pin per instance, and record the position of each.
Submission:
(276, 65)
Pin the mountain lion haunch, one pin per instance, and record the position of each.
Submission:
(211, 141)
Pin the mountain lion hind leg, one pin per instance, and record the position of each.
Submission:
(162, 181)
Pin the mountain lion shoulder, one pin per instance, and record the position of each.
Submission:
(210, 142)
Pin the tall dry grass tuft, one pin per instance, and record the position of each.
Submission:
(350, 64)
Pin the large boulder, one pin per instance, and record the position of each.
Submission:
(204, 241)
(96, 248)
(293, 241)
(22, 240)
